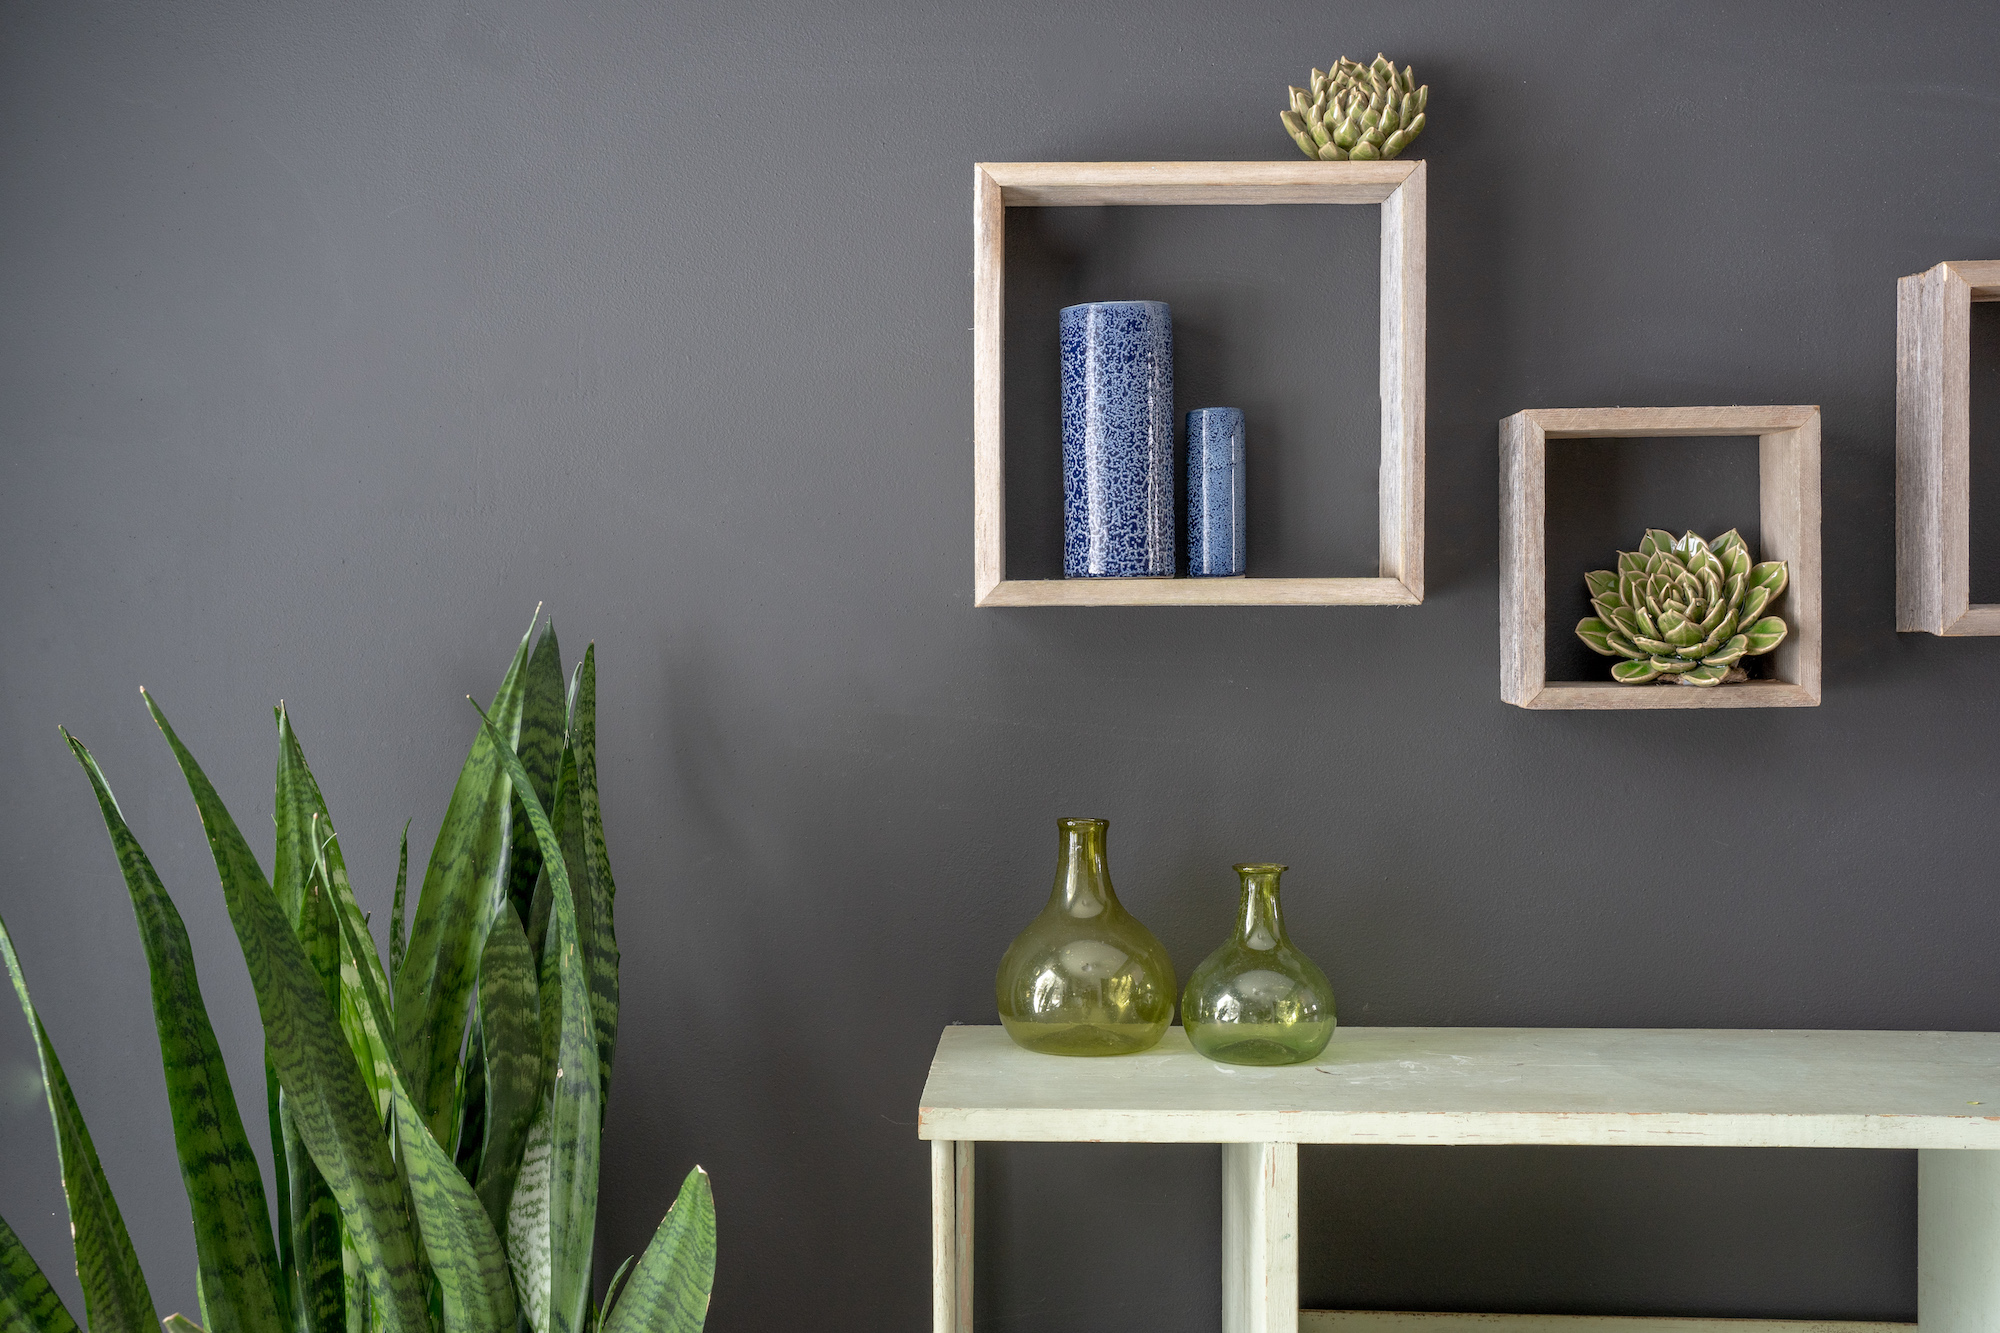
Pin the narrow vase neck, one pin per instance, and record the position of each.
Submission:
(1083, 882)
(1260, 921)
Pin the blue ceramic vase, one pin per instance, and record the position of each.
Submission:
(1118, 440)
(1215, 493)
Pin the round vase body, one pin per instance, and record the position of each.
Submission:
(1085, 978)
(1257, 1000)
(1118, 439)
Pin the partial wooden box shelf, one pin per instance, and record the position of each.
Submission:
(1398, 187)
(1788, 522)
(1934, 448)
(1937, 1092)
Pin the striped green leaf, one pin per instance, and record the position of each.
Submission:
(309, 1221)
(464, 1251)
(28, 1304)
(528, 1222)
(510, 1037)
(668, 1292)
(330, 1104)
(540, 746)
(573, 1117)
(234, 1249)
(397, 923)
(312, 1221)
(115, 1298)
(599, 889)
(462, 886)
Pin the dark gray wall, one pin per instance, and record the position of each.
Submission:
(333, 339)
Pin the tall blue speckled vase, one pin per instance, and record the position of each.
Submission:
(1118, 440)
(1215, 517)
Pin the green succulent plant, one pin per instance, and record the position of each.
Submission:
(1364, 112)
(433, 1123)
(1684, 609)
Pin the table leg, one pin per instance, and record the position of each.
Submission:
(951, 1236)
(1260, 1238)
(1958, 1240)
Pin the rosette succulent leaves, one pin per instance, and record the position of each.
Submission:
(1365, 112)
(1684, 609)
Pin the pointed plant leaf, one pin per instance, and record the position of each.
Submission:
(397, 924)
(1637, 672)
(612, 1287)
(180, 1323)
(235, 1252)
(28, 1304)
(1597, 634)
(462, 886)
(1703, 676)
(668, 1292)
(115, 1298)
(1729, 653)
(330, 1103)
(1763, 636)
(572, 1098)
(544, 709)
(599, 888)
(1600, 581)
(1770, 576)
(510, 1036)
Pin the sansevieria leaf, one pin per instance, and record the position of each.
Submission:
(309, 1217)
(510, 1033)
(572, 1097)
(28, 1304)
(115, 1298)
(330, 1104)
(241, 1283)
(543, 710)
(603, 953)
(464, 1251)
(668, 1291)
(461, 889)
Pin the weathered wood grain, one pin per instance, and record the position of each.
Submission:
(1638, 1087)
(1070, 184)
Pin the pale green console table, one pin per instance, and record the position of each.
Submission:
(1936, 1092)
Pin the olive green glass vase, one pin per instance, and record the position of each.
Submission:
(1085, 978)
(1257, 1000)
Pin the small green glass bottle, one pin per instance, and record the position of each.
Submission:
(1085, 978)
(1257, 1000)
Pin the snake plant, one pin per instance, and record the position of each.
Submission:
(433, 1123)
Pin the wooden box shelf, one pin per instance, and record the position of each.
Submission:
(1936, 1092)
(1934, 448)
(1788, 521)
(1397, 187)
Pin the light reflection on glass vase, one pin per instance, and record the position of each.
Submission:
(1085, 978)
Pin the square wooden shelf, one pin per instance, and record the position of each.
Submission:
(1933, 448)
(1398, 187)
(1788, 519)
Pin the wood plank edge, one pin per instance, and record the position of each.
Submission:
(1200, 592)
(1980, 620)
(1580, 695)
(1386, 1321)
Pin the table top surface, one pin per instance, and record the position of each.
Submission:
(1637, 1086)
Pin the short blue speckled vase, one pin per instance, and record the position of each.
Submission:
(1118, 440)
(1215, 493)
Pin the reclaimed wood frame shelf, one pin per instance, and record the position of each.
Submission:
(1788, 530)
(1397, 186)
(1934, 448)
(1935, 1092)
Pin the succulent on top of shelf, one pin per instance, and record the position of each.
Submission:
(1365, 112)
(1684, 609)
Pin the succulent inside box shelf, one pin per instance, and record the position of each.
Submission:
(1684, 611)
